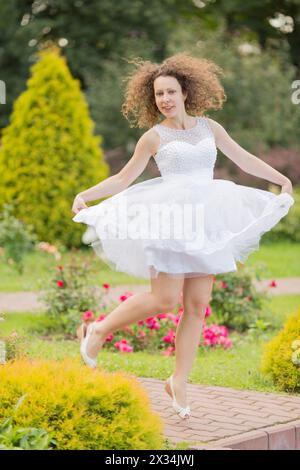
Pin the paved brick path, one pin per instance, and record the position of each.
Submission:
(28, 301)
(228, 418)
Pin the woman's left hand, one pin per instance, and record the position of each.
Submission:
(287, 187)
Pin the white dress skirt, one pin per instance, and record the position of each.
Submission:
(184, 223)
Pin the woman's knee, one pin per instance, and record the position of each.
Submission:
(166, 303)
(196, 308)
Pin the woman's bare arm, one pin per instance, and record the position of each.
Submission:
(145, 147)
(245, 160)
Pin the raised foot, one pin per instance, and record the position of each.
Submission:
(91, 344)
(183, 412)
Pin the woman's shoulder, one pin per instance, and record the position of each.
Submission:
(151, 140)
(215, 127)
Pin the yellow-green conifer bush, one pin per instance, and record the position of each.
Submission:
(281, 356)
(49, 151)
(83, 408)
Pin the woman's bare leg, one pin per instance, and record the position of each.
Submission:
(164, 295)
(196, 297)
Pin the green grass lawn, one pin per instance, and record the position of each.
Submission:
(237, 367)
(279, 259)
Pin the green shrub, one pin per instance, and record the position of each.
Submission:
(16, 239)
(68, 296)
(49, 152)
(15, 438)
(280, 355)
(235, 301)
(81, 408)
(14, 346)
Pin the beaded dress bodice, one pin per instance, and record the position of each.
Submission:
(186, 151)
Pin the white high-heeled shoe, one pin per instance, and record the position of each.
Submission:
(184, 413)
(83, 347)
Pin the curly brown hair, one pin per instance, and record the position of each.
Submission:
(197, 77)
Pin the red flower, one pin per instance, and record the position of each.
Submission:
(88, 315)
(106, 286)
(125, 296)
(224, 284)
(169, 351)
(123, 346)
(170, 337)
(161, 315)
(208, 311)
(100, 318)
(60, 283)
(273, 283)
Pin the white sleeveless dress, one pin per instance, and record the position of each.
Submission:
(185, 222)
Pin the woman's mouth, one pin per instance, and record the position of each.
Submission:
(168, 108)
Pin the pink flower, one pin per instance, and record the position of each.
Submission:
(88, 315)
(214, 279)
(161, 316)
(100, 318)
(126, 348)
(106, 286)
(152, 323)
(207, 342)
(125, 296)
(273, 283)
(216, 335)
(208, 311)
(60, 283)
(169, 351)
(171, 316)
(149, 319)
(169, 338)
(225, 342)
(109, 338)
(123, 346)
(224, 285)
(141, 334)
(140, 322)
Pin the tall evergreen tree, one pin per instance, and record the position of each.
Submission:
(49, 151)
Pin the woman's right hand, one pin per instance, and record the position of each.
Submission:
(78, 204)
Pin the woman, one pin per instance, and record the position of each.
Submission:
(230, 218)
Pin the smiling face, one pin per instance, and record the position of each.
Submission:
(169, 97)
